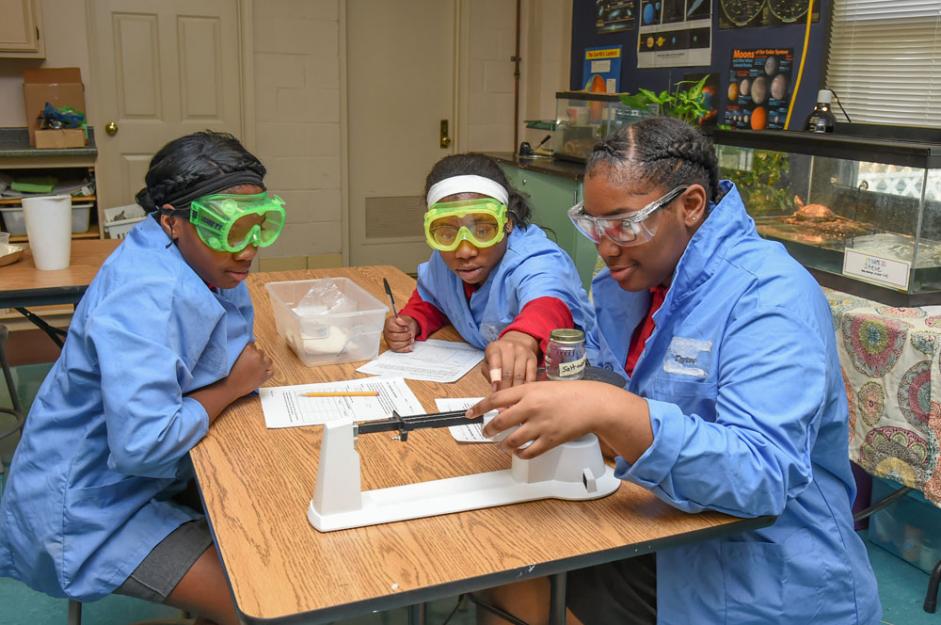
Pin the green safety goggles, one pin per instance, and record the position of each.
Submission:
(480, 222)
(230, 222)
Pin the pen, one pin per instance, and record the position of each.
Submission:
(385, 285)
(340, 394)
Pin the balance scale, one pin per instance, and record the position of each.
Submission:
(575, 470)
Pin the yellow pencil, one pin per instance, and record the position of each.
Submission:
(341, 394)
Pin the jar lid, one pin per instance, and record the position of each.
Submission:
(567, 335)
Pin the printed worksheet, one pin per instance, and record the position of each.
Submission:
(432, 360)
(366, 399)
(470, 433)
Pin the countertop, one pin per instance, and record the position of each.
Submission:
(14, 143)
(551, 166)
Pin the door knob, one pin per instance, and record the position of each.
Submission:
(111, 128)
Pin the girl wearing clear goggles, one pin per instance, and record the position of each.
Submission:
(624, 229)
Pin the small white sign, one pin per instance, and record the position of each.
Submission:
(601, 67)
(881, 271)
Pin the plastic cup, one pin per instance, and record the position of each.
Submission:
(49, 229)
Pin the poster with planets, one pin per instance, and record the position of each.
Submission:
(748, 13)
(674, 33)
(759, 88)
(614, 16)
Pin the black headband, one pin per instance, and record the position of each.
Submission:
(214, 185)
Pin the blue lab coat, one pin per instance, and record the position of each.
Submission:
(106, 441)
(749, 418)
(532, 267)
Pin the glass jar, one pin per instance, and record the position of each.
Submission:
(565, 354)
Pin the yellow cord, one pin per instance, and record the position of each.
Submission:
(800, 70)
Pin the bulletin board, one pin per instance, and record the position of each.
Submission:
(779, 35)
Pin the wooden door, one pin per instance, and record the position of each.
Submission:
(401, 67)
(160, 70)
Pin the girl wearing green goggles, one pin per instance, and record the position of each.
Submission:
(230, 222)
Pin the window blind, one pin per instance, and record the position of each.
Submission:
(885, 60)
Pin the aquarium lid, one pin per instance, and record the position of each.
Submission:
(863, 144)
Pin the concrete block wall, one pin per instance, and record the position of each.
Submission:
(297, 126)
(488, 114)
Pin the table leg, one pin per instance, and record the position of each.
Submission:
(557, 599)
(931, 597)
(417, 614)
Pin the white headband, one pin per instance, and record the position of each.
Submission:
(467, 184)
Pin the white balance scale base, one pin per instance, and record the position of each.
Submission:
(573, 470)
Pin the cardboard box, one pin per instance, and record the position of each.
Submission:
(64, 138)
(61, 86)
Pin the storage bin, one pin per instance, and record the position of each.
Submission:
(13, 220)
(346, 333)
(81, 217)
(910, 528)
(15, 223)
(119, 220)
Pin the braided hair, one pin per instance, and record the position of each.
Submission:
(480, 165)
(190, 161)
(660, 150)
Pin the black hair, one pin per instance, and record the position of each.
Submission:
(193, 161)
(661, 150)
(474, 164)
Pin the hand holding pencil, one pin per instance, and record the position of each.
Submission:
(399, 330)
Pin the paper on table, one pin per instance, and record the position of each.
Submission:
(284, 406)
(470, 433)
(432, 360)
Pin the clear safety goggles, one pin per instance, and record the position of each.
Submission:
(480, 222)
(624, 229)
(230, 222)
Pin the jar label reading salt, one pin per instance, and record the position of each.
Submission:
(572, 369)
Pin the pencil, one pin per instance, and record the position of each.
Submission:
(341, 394)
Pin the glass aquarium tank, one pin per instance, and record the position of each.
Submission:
(860, 209)
(583, 119)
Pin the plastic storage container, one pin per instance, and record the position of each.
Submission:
(346, 333)
(910, 528)
(15, 221)
(860, 208)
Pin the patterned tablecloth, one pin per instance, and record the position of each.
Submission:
(891, 360)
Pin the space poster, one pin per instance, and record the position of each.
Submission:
(759, 88)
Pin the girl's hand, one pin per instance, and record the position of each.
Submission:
(511, 360)
(400, 332)
(552, 413)
(252, 369)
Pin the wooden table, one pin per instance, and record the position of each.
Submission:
(257, 484)
(22, 285)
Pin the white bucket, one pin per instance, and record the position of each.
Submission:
(49, 229)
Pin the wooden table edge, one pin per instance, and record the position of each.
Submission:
(473, 584)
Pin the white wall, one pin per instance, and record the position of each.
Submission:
(297, 119)
(488, 43)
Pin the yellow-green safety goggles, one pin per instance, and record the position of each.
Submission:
(230, 222)
(480, 222)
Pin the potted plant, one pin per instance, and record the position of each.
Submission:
(686, 104)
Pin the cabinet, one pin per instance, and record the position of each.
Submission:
(72, 168)
(551, 189)
(21, 29)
